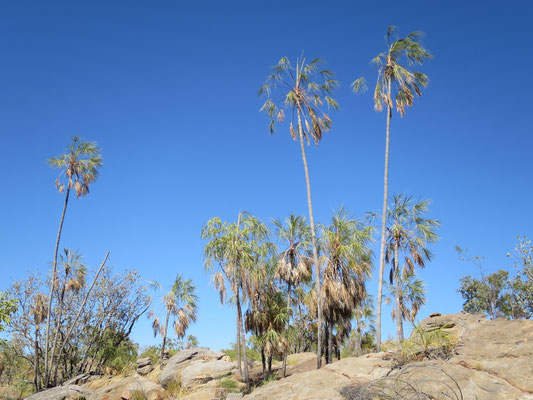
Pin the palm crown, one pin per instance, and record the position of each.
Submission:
(394, 80)
(302, 95)
(79, 164)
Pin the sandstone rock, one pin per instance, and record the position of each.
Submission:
(145, 370)
(82, 379)
(364, 368)
(300, 358)
(205, 394)
(61, 393)
(199, 372)
(234, 396)
(132, 384)
(176, 364)
(143, 362)
(313, 385)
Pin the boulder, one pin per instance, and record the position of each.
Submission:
(143, 362)
(82, 379)
(234, 396)
(145, 370)
(125, 387)
(363, 368)
(205, 394)
(62, 393)
(179, 361)
(312, 385)
(300, 358)
(199, 372)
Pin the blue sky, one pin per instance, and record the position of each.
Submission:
(168, 90)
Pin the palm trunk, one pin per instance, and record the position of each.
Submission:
(54, 268)
(243, 340)
(284, 369)
(383, 226)
(164, 340)
(239, 362)
(313, 240)
(80, 311)
(263, 361)
(269, 366)
(36, 377)
(399, 319)
(56, 335)
(330, 337)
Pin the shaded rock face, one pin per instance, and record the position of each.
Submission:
(178, 362)
(493, 360)
(62, 393)
(125, 388)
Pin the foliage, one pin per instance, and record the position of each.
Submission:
(230, 384)
(8, 307)
(426, 344)
(252, 353)
(100, 338)
(412, 296)
(500, 294)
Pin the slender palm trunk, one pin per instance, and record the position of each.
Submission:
(284, 369)
(243, 340)
(399, 319)
(36, 377)
(54, 268)
(56, 335)
(313, 241)
(239, 362)
(330, 337)
(383, 226)
(164, 339)
(263, 361)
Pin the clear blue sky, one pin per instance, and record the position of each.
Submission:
(168, 90)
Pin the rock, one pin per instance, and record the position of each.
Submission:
(200, 372)
(126, 395)
(145, 370)
(82, 378)
(436, 314)
(61, 393)
(300, 358)
(205, 394)
(312, 385)
(364, 368)
(179, 361)
(234, 396)
(132, 384)
(143, 362)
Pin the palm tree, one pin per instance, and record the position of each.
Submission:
(408, 232)
(238, 248)
(180, 304)
(268, 315)
(303, 96)
(412, 297)
(364, 319)
(294, 263)
(192, 341)
(348, 262)
(395, 81)
(79, 169)
(38, 312)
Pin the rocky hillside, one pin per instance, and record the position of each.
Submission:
(459, 356)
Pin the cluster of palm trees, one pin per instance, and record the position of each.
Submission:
(304, 90)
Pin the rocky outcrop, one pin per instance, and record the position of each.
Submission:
(199, 372)
(125, 388)
(144, 366)
(62, 393)
(491, 360)
(177, 363)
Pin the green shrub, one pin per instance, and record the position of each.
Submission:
(230, 384)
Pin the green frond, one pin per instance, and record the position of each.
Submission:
(359, 85)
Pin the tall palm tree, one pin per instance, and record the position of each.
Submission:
(395, 81)
(364, 319)
(294, 263)
(79, 169)
(305, 88)
(180, 304)
(38, 312)
(238, 248)
(412, 297)
(348, 262)
(409, 233)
